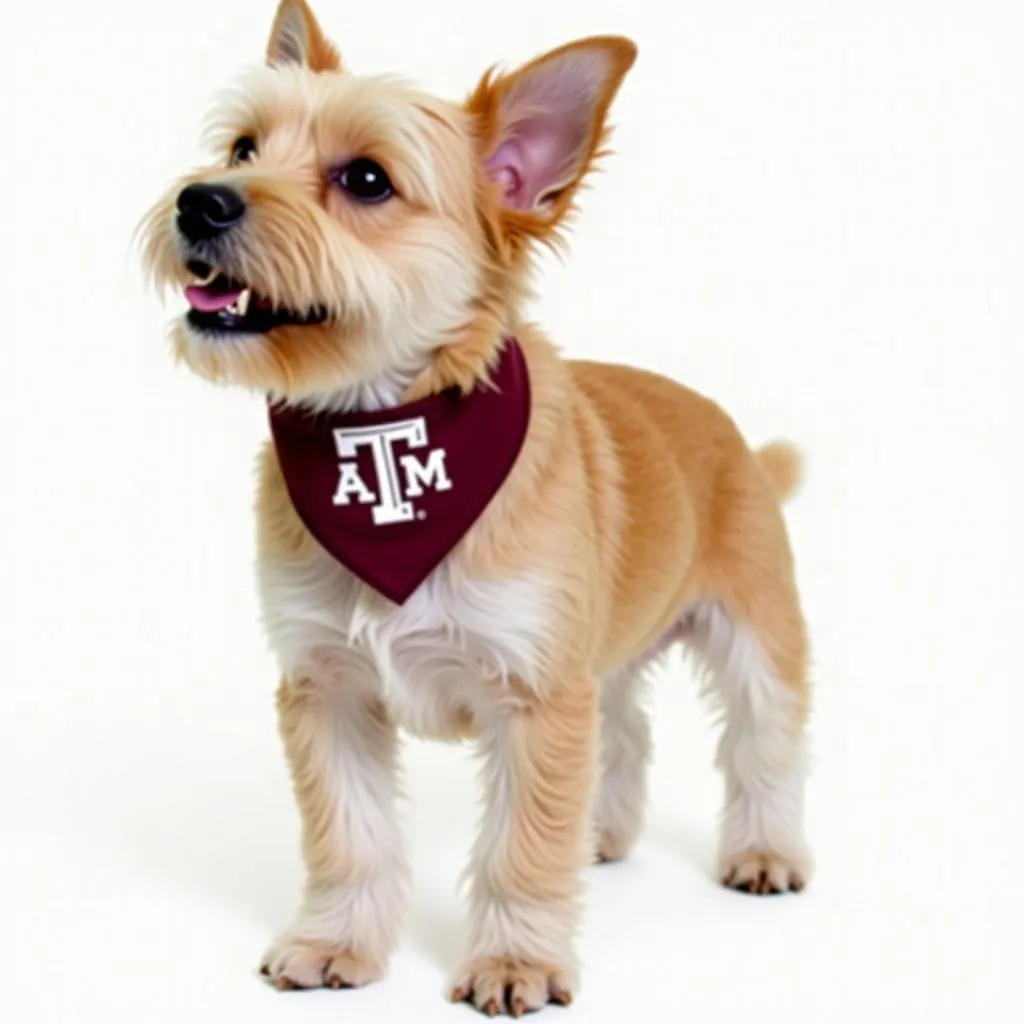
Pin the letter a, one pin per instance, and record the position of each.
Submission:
(350, 482)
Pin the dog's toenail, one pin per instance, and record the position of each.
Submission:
(561, 996)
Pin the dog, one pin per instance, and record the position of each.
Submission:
(461, 533)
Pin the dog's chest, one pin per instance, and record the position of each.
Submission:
(428, 657)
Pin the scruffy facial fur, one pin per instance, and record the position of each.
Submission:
(636, 517)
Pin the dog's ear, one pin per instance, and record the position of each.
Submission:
(296, 38)
(540, 129)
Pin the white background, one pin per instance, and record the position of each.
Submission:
(815, 218)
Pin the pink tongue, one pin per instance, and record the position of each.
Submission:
(206, 300)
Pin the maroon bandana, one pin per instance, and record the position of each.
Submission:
(390, 493)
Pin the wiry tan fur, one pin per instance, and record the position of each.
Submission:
(635, 517)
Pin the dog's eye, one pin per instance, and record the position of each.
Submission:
(366, 181)
(243, 149)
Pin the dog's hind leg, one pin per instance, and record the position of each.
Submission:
(625, 754)
(751, 637)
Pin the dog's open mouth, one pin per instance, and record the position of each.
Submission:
(222, 305)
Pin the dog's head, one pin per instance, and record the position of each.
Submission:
(353, 230)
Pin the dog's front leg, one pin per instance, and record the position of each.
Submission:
(526, 872)
(341, 746)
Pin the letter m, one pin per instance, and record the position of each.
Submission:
(432, 474)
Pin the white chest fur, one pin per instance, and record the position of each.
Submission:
(427, 657)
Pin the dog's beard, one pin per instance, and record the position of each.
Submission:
(333, 366)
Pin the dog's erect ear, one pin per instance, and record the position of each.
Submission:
(296, 38)
(541, 127)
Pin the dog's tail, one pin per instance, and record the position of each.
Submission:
(783, 463)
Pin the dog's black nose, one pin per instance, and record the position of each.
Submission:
(205, 211)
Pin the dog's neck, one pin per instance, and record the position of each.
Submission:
(460, 364)
(382, 391)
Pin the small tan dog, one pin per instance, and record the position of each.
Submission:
(359, 249)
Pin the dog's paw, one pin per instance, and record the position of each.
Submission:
(763, 873)
(310, 963)
(612, 847)
(512, 985)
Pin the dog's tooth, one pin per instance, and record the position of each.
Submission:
(242, 302)
(209, 279)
